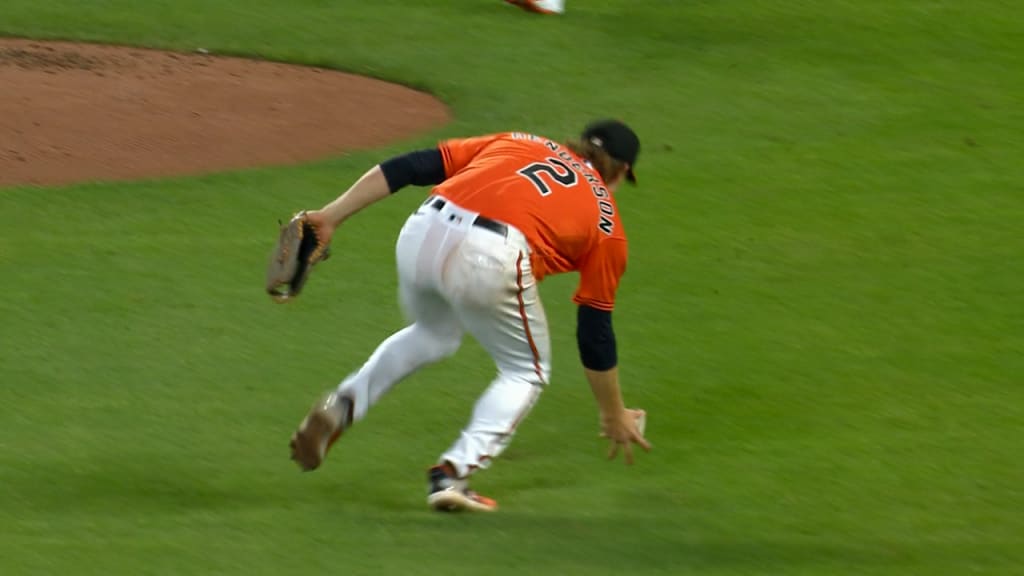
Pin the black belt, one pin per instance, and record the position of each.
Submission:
(481, 221)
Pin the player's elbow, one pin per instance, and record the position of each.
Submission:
(419, 168)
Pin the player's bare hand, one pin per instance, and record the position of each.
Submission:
(623, 431)
(324, 228)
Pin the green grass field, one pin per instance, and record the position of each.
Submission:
(823, 314)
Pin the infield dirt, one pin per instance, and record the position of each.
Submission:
(81, 112)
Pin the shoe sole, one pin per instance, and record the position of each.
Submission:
(455, 501)
(315, 436)
(530, 7)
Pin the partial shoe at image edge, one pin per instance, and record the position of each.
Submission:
(533, 6)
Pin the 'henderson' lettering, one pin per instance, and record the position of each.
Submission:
(607, 209)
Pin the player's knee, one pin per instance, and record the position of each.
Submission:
(533, 376)
(448, 347)
(439, 344)
(544, 377)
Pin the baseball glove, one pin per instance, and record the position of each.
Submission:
(297, 250)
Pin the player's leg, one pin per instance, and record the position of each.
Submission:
(511, 325)
(434, 331)
(515, 334)
(422, 342)
(433, 334)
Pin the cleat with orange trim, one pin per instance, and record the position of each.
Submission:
(450, 494)
(540, 6)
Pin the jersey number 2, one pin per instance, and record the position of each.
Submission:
(558, 171)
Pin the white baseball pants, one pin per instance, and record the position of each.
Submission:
(457, 276)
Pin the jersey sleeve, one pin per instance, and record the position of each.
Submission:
(600, 273)
(457, 153)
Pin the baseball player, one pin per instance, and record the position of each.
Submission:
(505, 211)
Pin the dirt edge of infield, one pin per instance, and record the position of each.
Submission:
(73, 112)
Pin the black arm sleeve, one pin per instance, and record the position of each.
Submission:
(419, 168)
(596, 339)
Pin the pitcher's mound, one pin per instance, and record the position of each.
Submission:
(76, 112)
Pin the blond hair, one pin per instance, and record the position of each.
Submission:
(609, 168)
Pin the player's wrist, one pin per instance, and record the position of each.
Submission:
(614, 416)
(605, 386)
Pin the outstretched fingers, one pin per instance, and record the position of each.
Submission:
(627, 451)
(642, 442)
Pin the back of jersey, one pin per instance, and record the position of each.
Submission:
(558, 202)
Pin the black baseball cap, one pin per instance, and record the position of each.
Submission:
(617, 139)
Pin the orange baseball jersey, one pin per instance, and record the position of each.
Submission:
(559, 203)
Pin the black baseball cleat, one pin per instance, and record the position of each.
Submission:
(448, 493)
(320, 429)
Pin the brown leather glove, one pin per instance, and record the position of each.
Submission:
(297, 250)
